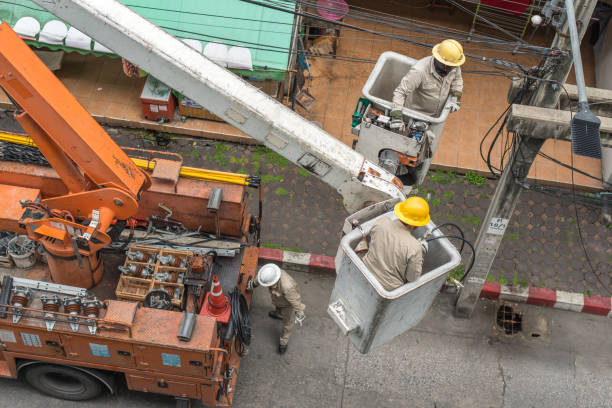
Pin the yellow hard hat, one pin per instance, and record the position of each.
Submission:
(413, 211)
(449, 52)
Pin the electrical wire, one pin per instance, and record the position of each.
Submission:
(240, 316)
(465, 241)
(581, 239)
(450, 224)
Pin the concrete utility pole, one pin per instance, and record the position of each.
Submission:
(509, 186)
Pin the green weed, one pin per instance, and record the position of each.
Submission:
(219, 157)
(244, 160)
(474, 178)
(513, 237)
(281, 192)
(474, 220)
(436, 202)
(269, 178)
(303, 173)
(443, 177)
(274, 246)
(448, 195)
(195, 153)
(456, 273)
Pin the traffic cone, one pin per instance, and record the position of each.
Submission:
(216, 304)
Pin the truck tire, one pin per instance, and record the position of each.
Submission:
(62, 382)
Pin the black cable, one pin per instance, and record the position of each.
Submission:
(465, 241)
(240, 316)
(584, 249)
(450, 224)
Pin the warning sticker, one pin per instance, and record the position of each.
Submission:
(497, 226)
(7, 336)
(30, 340)
(99, 350)
(171, 360)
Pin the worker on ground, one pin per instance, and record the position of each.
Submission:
(425, 88)
(285, 297)
(395, 256)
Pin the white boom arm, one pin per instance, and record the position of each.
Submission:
(229, 97)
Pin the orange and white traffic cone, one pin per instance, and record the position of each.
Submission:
(216, 304)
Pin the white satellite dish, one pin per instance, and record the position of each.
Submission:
(53, 32)
(195, 44)
(217, 53)
(77, 39)
(239, 58)
(27, 28)
(100, 48)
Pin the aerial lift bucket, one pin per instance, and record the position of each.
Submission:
(363, 310)
(378, 89)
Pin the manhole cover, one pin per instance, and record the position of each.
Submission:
(509, 320)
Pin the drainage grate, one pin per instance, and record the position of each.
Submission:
(509, 320)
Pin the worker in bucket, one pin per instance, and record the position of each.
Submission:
(285, 297)
(425, 88)
(395, 256)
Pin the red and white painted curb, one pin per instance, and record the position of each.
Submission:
(559, 299)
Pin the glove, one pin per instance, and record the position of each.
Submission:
(299, 318)
(424, 246)
(251, 285)
(397, 121)
(453, 104)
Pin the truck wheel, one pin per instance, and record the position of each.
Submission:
(63, 382)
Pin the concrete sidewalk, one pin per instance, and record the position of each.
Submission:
(443, 362)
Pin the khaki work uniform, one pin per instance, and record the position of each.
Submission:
(424, 90)
(286, 298)
(395, 256)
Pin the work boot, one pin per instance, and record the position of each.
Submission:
(282, 349)
(274, 314)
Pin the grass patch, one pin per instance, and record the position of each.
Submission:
(513, 237)
(242, 170)
(474, 178)
(450, 216)
(502, 281)
(195, 153)
(456, 273)
(491, 279)
(448, 195)
(219, 157)
(474, 220)
(443, 177)
(303, 173)
(276, 159)
(436, 202)
(281, 192)
(239, 161)
(269, 178)
(274, 246)
(587, 293)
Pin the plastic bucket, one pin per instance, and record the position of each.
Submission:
(23, 251)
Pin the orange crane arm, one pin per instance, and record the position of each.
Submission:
(103, 183)
(61, 124)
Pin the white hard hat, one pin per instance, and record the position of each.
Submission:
(268, 275)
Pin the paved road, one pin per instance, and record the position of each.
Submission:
(444, 362)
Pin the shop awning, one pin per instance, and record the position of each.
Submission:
(247, 38)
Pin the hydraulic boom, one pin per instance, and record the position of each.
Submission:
(229, 97)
